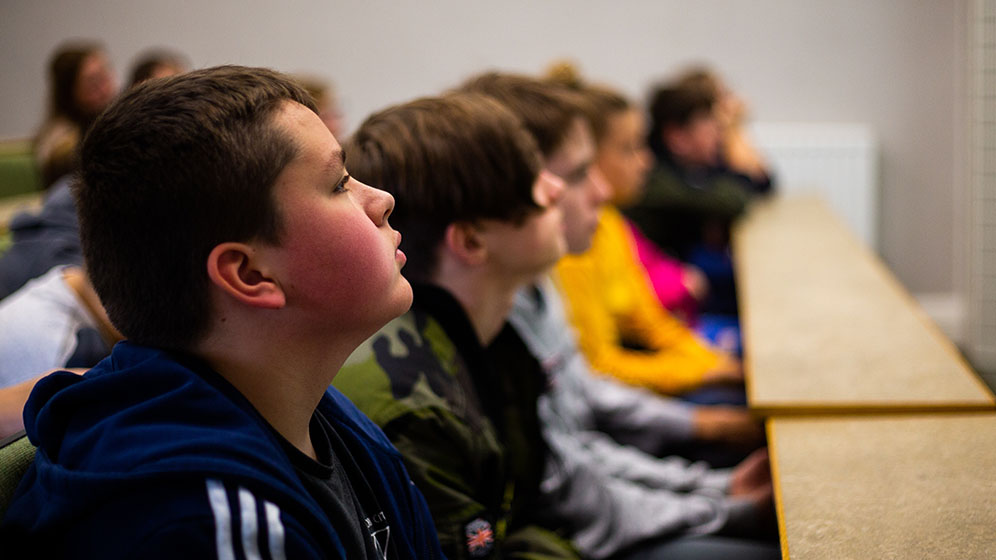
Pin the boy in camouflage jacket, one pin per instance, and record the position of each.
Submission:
(450, 382)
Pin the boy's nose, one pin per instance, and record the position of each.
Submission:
(598, 186)
(549, 189)
(378, 203)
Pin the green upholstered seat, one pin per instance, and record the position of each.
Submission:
(16, 454)
(18, 173)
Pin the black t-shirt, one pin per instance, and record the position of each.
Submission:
(339, 487)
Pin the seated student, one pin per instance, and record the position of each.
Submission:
(616, 500)
(479, 221)
(691, 197)
(233, 250)
(623, 160)
(51, 237)
(42, 240)
(623, 329)
(465, 415)
(54, 321)
(81, 84)
(737, 152)
(618, 159)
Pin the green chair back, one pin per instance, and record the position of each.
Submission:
(18, 173)
(16, 455)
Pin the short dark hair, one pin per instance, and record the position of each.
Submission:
(546, 109)
(170, 170)
(703, 78)
(675, 105)
(457, 158)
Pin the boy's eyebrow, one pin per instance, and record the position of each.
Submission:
(337, 161)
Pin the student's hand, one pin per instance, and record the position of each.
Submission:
(729, 370)
(752, 480)
(695, 281)
(727, 424)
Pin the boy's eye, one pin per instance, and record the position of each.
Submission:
(576, 177)
(341, 185)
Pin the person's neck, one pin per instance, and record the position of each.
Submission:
(487, 298)
(283, 376)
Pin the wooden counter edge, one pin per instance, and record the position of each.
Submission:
(876, 409)
(777, 488)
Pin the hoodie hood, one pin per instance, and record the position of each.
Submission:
(135, 445)
(140, 418)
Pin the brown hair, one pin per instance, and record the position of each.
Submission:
(675, 105)
(457, 158)
(546, 109)
(599, 103)
(63, 71)
(170, 170)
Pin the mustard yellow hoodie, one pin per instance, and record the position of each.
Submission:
(610, 299)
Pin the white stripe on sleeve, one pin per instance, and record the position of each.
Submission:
(222, 519)
(276, 530)
(250, 527)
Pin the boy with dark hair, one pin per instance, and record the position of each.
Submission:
(450, 383)
(232, 249)
(555, 117)
(692, 196)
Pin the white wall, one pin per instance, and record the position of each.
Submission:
(888, 63)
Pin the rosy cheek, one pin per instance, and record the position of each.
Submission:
(339, 263)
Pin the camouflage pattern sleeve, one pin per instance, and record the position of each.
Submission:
(456, 472)
(410, 380)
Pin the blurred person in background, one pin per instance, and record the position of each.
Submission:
(81, 84)
(157, 63)
(328, 103)
(693, 196)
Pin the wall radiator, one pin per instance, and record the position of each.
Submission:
(837, 161)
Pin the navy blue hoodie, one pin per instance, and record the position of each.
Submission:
(151, 455)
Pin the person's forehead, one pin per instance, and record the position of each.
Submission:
(93, 64)
(626, 124)
(317, 148)
(579, 142)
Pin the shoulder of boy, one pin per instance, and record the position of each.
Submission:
(408, 365)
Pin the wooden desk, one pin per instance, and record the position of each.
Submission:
(897, 486)
(828, 329)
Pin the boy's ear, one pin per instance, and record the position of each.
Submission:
(464, 241)
(235, 270)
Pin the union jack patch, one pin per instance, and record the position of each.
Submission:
(480, 538)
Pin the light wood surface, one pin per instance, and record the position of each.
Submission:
(896, 486)
(827, 328)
